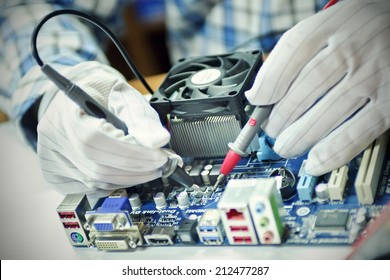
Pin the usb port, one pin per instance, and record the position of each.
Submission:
(242, 239)
(71, 225)
(213, 240)
(207, 228)
(239, 228)
(66, 215)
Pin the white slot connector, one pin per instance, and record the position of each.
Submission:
(337, 182)
(367, 179)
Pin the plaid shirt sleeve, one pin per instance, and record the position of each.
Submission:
(196, 27)
(63, 41)
(202, 27)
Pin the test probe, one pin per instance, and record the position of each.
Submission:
(239, 147)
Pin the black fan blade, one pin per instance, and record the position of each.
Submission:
(197, 94)
(185, 93)
(177, 94)
(180, 76)
(195, 66)
(225, 63)
(236, 79)
(240, 66)
(215, 90)
(174, 87)
(210, 62)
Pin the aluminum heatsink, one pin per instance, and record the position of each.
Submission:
(202, 102)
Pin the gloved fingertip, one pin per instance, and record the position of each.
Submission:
(283, 150)
(318, 164)
(313, 168)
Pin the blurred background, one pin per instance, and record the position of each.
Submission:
(144, 38)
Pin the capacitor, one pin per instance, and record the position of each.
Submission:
(205, 177)
(322, 191)
(285, 182)
(208, 167)
(361, 217)
(187, 168)
(361, 221)
(160, 200)
(183, 200)
(135, 201)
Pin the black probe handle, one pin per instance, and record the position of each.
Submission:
(83, 99)
(93, 108)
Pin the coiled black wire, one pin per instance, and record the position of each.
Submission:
(95, 22)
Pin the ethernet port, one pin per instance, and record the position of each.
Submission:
(234, 214)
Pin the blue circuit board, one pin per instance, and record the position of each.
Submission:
(301, 216)
(157, 216)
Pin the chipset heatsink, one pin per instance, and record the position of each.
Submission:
(331, 220)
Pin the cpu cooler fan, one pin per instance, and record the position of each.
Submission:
(202, 101)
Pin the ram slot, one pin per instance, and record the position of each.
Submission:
(367, 179)
(337, 182)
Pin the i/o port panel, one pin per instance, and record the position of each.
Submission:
(71, 213)
(210, 229)
(267, 211)
(111, 227)
(234, 210)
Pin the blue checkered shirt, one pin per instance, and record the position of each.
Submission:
(195, 27)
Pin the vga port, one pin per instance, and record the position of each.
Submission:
(105, 224)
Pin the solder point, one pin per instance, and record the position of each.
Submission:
(197, 189)
(221, 177)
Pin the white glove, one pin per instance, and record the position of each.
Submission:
(329, 81)
(81, 153)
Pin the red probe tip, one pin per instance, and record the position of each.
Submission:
(230, 161)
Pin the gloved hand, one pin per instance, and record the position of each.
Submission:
(329, 80)
(81, 153)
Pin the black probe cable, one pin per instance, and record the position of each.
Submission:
(95, 22)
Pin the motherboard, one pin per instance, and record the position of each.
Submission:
(266, 200)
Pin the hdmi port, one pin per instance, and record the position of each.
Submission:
(160, 236)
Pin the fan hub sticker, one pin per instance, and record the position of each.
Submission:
(206, 76)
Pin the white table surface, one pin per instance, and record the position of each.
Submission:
(30, 228)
